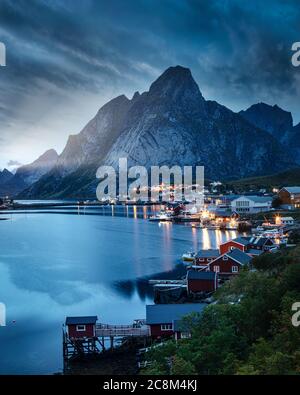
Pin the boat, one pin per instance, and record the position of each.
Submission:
(195, 225)
(272, 234)
(161, 216)
(188, 256)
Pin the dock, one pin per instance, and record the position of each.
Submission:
(83, 336)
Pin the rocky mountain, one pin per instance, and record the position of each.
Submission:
(35, 170)
(170, 124)
(273, 119)
(278, 123)
(28, 174)
(5, 176)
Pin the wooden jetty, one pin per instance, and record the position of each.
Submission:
(84, 336)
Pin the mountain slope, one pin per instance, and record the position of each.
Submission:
(28, 174)
(35, 170)
(5, 176)
(273, 119)
(170, 124)
(287, 178)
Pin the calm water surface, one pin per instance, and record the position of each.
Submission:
(56, 264)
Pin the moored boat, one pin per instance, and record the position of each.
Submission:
(188, 256)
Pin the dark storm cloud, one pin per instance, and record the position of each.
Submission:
(239, 51)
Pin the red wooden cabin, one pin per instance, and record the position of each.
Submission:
(230, 263)
(81, 327)
(164, 319)
(201, 281)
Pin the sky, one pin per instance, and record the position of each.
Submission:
(66, 58)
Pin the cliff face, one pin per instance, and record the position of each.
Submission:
(278, 123)
(170, 124)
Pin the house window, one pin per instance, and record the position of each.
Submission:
(235, 269)
(216, 269)
(80, 328)
(166, 327)
(225, 258)
(209, 259)
(201, 259)
(185, 335)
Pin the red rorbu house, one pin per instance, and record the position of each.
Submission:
(249, 244)
(204, 257)
(81, 327)
(201, 281)
(165, 319)
(230, 263)
(240, 243)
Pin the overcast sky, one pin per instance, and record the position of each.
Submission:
(65, 59)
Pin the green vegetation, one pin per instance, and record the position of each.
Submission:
(249, 330)
(286, 178)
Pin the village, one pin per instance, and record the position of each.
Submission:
(261, 230)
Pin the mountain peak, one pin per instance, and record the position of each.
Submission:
(176, 83)
(272, 119)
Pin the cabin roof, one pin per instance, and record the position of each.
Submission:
(259, 241)
(239, 256)
(168, 313)
(81, 320)
(196, 275)
(253, 251)
(241, 240)
(210, 253)
(292, 189)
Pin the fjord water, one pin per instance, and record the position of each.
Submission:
(54, 264)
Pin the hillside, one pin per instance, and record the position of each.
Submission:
(287, 178)
(248, 331)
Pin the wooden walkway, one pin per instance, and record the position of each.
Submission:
(104, 330)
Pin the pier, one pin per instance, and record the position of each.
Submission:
(82, 336)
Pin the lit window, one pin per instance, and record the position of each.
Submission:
(186, 335)
(166, 327)
(80, 328)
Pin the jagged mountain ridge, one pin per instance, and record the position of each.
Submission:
(170, 124)
(277, 122)
(273, 119)
(5, 176)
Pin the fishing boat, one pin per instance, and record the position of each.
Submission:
(188, 256)
(161, 216)
(272, 234)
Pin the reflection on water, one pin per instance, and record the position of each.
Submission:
(97, 262)
(206, 242)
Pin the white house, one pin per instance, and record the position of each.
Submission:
(251, 204)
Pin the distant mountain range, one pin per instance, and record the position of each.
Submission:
(12, 184)
(169, 124)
